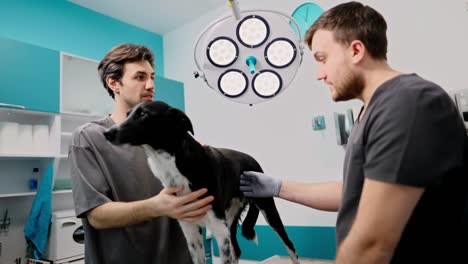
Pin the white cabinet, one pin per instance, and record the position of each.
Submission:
(81, 91)
(68, 123)
(18, 161)
(28, 133)
(82, 99)
(35, 143)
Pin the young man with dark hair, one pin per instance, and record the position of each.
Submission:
(403, 193)
(128, 217)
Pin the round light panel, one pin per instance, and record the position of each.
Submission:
(280, 53)
(274, 74)
(253, 31)
(267, 83)
(222, 52)
(232, 83)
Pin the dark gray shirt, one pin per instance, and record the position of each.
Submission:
(102, 172)
(411, 134)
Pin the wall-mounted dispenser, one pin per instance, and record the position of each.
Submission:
(343, 125)
(318, 122)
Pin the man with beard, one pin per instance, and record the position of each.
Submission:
(403, 193)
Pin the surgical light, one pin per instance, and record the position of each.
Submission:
(252, 31)
(222, 52)
(232, 83)
(267, 83)
(280, 53)
(250, 56)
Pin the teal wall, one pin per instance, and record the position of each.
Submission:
(316, 242)
(170, 91)
(63, 26)
(30, 76)
(59, 25)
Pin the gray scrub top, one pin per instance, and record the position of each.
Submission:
(412, 134)
(101, 173)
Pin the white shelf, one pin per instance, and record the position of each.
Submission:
(22, 112)
(70, 121)
(31, 193)
(61, 191)
(79, 115)
(28, 156)
(62, 156)
(66, 134)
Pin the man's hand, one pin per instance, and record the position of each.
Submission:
(256, 184)
(185, 208)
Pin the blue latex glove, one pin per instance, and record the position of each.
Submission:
(257, 184)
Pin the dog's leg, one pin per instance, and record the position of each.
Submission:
(248, 224)
(269, 211)
(223, 237)
(235, 244)
(233, 214)
(193, 235)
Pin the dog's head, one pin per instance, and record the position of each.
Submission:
(152, 123)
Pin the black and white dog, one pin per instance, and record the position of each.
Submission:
(176, 159)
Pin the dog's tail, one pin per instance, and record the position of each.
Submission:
(249, 223)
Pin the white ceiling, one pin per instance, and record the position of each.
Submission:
(159, 16)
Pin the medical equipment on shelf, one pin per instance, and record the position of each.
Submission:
(250, 56)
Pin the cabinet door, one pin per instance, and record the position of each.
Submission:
(170, 91)
(82, 91)
(29, 75)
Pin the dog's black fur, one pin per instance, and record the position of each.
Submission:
(163, 131)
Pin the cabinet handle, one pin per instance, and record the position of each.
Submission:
(12, 106)
(65, 223)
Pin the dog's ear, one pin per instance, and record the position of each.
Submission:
(181, 119)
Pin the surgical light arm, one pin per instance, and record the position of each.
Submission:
(234, 4)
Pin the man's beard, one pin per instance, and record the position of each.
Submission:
(350, 88)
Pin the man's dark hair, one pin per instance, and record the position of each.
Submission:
(112, 65)
(353, 21)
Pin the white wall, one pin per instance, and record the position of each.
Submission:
(427, 37)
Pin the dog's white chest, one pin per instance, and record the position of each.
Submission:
(163, 166)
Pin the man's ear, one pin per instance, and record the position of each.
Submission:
(357, 49)
(113, 84)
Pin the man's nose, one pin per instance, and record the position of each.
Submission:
(321, 74)
(149, 84)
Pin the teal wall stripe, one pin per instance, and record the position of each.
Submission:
(170, 91)
(310, 241)
(63, 26)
